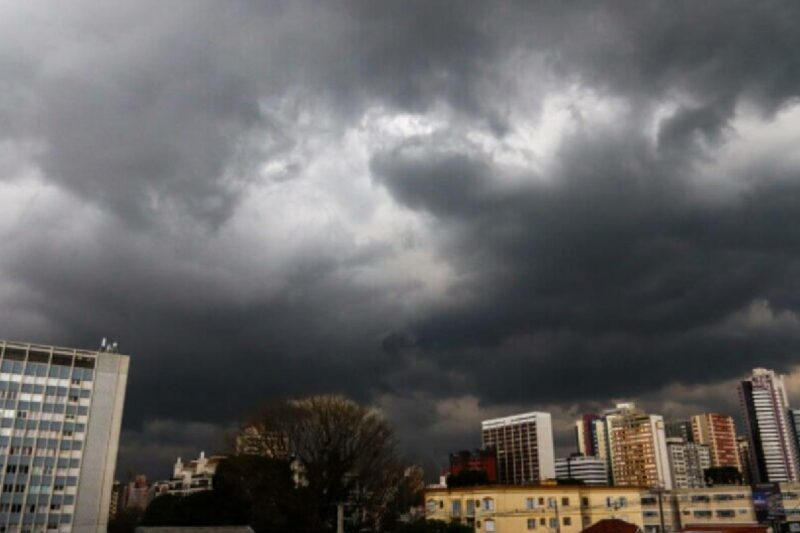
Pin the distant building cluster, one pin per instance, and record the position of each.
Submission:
(635, 466)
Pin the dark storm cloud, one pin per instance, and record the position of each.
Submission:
(267, 198)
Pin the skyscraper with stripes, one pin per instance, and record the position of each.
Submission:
(773, 453)
(524, 445)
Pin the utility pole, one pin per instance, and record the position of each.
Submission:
(340, 518)
(660, 491)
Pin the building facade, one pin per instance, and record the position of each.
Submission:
(719, 433)
(187, 478)
(725, 505)
(518, 509)
(638, 448)
(688, 462)
(585, 434)
(681, 429)
(483, 460)
(59, 433)
(524, 447)
(773, 452)
(590, 470)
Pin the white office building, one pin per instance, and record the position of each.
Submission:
(61, 412)
(589, 469)
(773, 452)
(524, 445)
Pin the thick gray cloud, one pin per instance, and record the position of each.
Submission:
(450, 211)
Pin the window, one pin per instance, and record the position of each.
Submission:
(585, 502)
(541, 501)
(623, 501)
(702, 514)
(489, 525)
(553, 523)
(531, 523)
(16, 507)
(488, 504)
(530, 503)
(432, 506)
(700, 498)
(726, 513)
(542, 521)
(455, 506)
(551, 502)
(567, 521)
(565, 502)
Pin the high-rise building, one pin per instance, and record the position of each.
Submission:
(719, 433)
(638, 448)
(743, 447)
(688, 462)
(61, 418)
(794, 417)
(591, 470)
(524, 446)
(681, 429)
(484, 460)
(585, 434)
(773, 454)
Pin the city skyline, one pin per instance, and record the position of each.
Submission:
(452, 213)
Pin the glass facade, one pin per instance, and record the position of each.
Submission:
(45, 399)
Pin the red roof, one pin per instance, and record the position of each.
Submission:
(612, 525)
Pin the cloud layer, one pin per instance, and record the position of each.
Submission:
(450, 211)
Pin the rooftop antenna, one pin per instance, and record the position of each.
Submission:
(109, 347)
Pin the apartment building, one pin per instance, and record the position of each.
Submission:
(730, 505)
(545, 508)
(590, 470)
(765, 406)
(524, 447)
(688, 462)
(60, 419)
(637, 448)
(718, 432)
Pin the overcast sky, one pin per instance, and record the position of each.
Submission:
(449, 210)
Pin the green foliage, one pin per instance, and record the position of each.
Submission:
(125, 521)
(723, 475)
(468, 478)
(434, 526)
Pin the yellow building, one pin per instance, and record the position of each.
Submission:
(790, 499)
(719, 505)
(546, 508)
(570, 509)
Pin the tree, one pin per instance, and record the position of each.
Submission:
(434, 526)
(342, 454)
(125, 521)
(468, 478)
(723, 475)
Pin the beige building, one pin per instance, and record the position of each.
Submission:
(719, 505)
(544, 508)
(638, 448)
(570, 509)
(718, 432)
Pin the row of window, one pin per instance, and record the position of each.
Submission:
(29, 508)
(552, 523)
(43, 371)
(487, 504)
